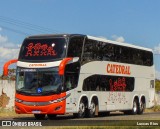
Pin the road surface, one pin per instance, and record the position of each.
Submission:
(115, 118)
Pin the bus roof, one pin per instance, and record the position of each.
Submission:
(91, 37)
(54, 35)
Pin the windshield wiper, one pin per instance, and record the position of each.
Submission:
(49, 92)
(23, 92)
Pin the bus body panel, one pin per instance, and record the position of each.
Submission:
(110, 101)
(40, 104)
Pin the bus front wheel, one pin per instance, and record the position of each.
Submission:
(51, 116)
(82, 110)
(39, 116)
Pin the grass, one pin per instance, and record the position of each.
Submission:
(156, 108)
(88, 127)
(82, 127)
(5, 113)
(104, 127)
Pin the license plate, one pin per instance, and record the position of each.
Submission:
(36, 112)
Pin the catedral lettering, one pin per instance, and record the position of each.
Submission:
(35, 65)
(118, 69)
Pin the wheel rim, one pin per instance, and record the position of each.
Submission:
(92, 107)
(81, 109)
(134, 107)
(141, 106)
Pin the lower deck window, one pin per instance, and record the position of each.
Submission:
(108, 83)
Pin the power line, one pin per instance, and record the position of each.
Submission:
(26, 25)
(15, 31)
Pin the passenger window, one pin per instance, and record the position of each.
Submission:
(75, 47)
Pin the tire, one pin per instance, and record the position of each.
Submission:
(92, 109)
(82, 110)
(51, 116)
(39, 116)
(127, 112)
(103, 114)
(141, 107)
(134, 110)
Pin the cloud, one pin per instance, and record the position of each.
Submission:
(8, 53)
(0, 29)
(8, 50)
(3, 39)
(157, 75)
(157, 49)
(118, 38)
(102, 37)
(4, 42)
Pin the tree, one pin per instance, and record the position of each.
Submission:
(11, 75)
(157, 85)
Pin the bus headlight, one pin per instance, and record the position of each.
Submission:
(57, 100)
(18, 100)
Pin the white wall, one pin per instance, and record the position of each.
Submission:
(157, 97)
(7, 93)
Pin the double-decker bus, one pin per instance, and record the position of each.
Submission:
(83, 75)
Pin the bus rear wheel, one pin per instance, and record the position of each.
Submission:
(92, 109)
(39, 116)
(134, 108)
(141, 107)
(103, 114)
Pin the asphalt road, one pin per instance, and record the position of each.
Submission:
(115, 118)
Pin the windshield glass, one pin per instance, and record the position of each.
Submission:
(38, 81)
(43, 49)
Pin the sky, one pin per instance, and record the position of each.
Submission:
(133, 21)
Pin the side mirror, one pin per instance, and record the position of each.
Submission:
(6, 65)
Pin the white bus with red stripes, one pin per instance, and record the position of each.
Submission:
(83, 75)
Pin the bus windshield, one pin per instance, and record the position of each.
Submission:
(39, 49)
(38, 81)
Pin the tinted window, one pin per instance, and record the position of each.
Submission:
(38, 81)
(92, 51)
(95, 51)
(108, 83)
(71, 75)
(75, 47)
(42, 49)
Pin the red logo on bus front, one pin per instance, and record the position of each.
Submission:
(118, 69)
(40, 50)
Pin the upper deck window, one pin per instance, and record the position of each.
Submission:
(45, 49)
(104, 51)
(75, 46)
